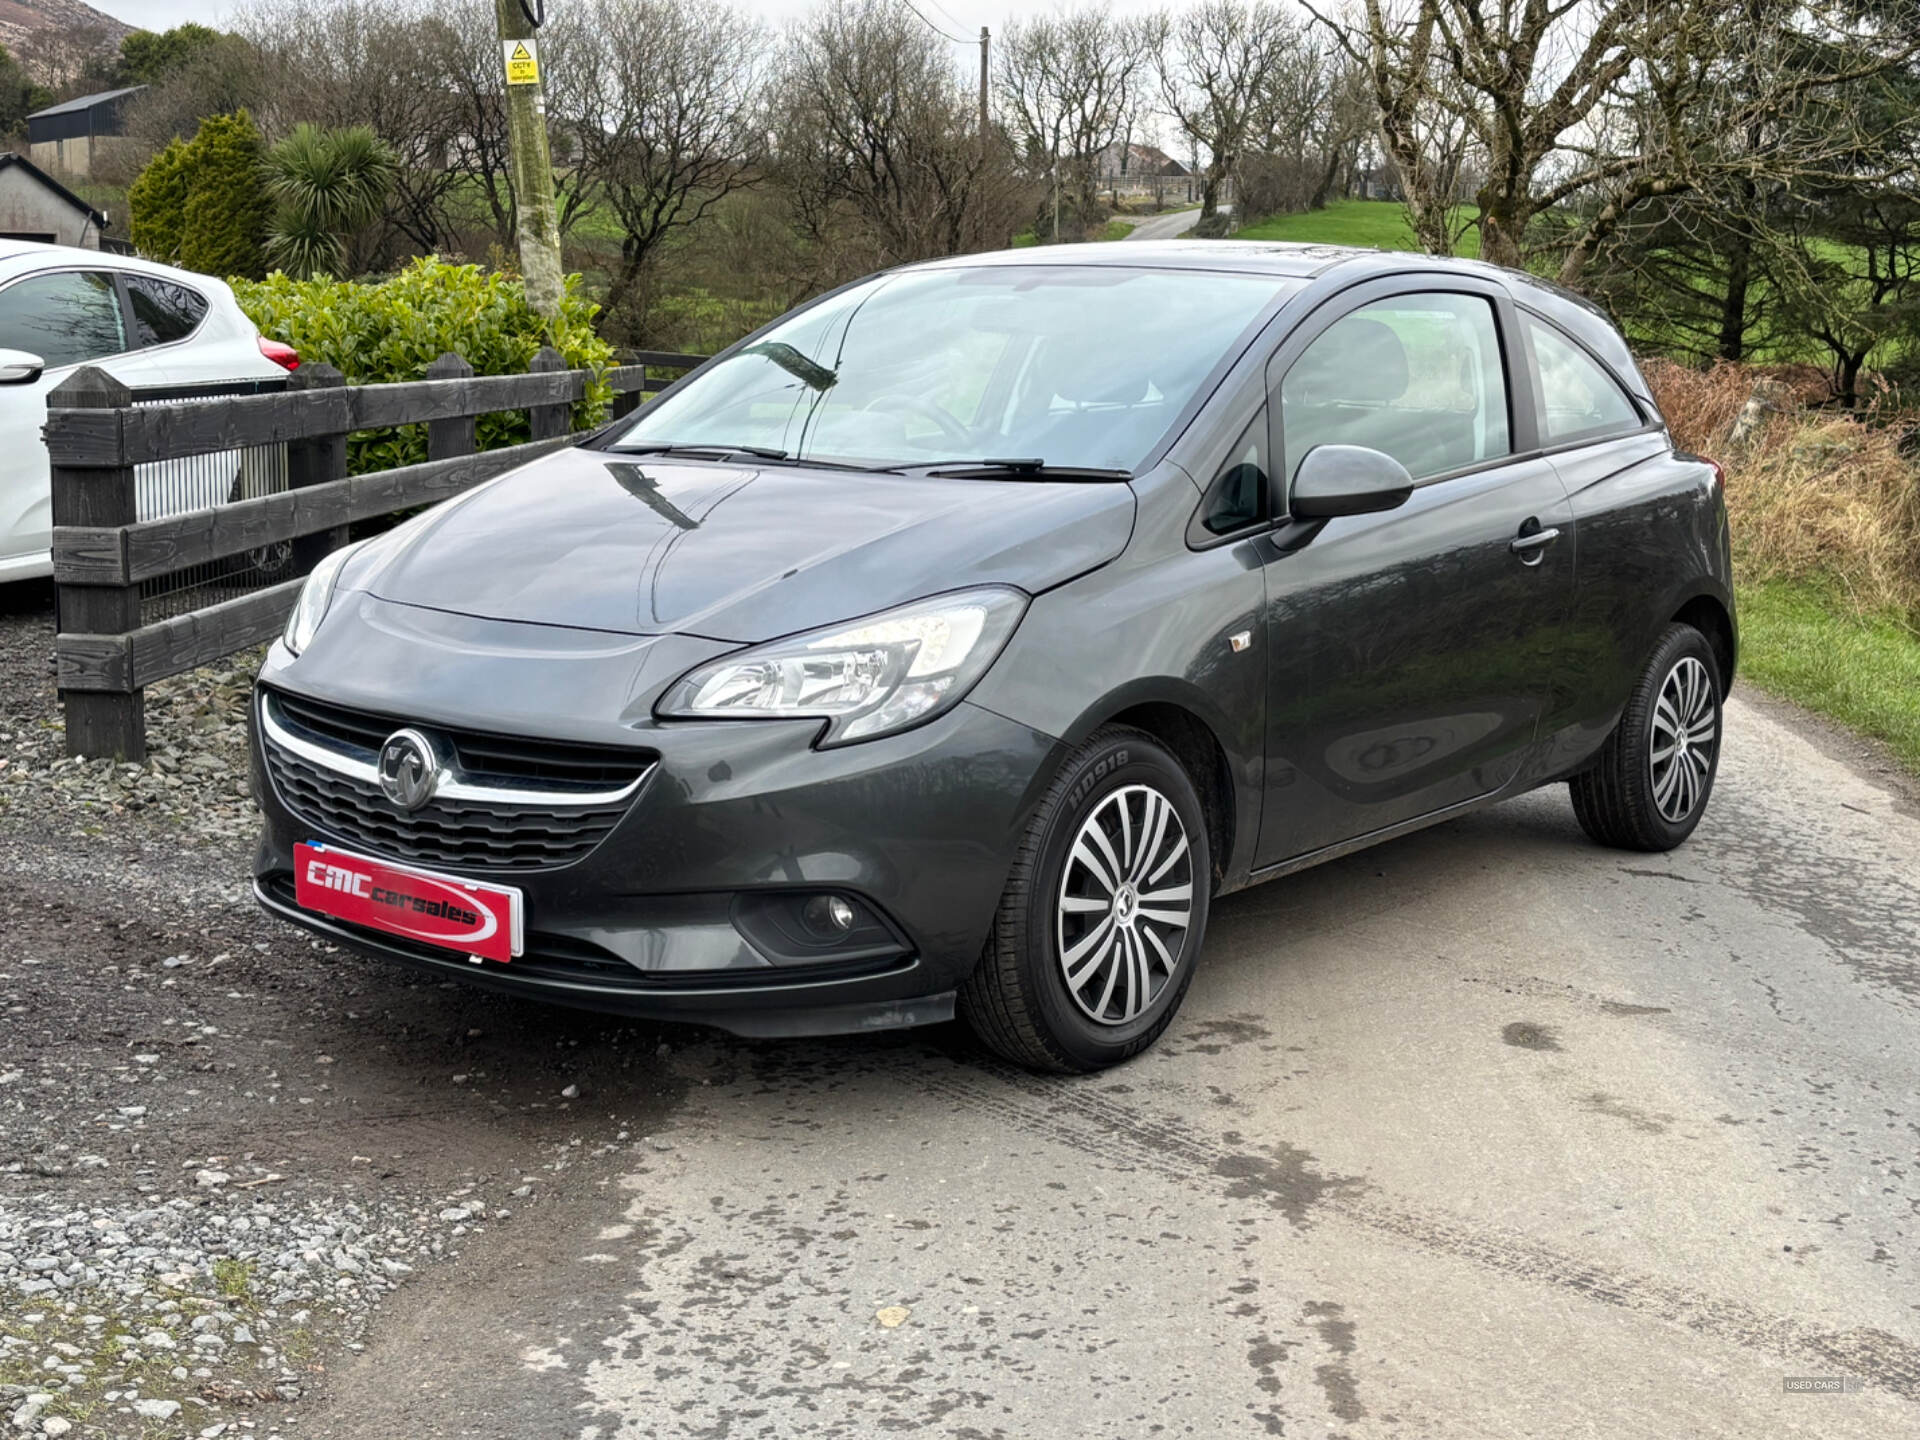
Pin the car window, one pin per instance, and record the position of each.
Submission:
(1578, 399)
(65, 319)
(1074, 365)
(163, 311)
(1417, 376)
(1238, 496)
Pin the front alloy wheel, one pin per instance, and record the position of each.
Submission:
(1126, 904)
(1097, 932)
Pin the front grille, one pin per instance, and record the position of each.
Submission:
(573, 794)
(485, 759)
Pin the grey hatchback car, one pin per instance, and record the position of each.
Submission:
(952, 642)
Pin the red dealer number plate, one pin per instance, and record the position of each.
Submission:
(463, 915)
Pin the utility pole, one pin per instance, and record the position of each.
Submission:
(537, 229)
(985, 41)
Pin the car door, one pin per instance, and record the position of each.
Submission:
(69, 318)
(1614, 458)
(1411, 650)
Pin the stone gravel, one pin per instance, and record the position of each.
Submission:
(182, 1314)
(224, 1144)
(193, 784)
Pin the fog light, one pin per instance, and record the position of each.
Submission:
(828, 916)
(797, 927)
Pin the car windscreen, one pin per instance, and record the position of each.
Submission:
(1073, 366)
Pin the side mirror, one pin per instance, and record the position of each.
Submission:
(1347, 480)
(17, 367)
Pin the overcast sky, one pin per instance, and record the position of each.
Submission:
(959, 17)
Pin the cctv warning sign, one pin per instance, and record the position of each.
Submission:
(523, 61)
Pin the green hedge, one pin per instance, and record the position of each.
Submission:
(389, 330)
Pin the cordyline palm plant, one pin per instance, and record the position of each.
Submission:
(328, 185)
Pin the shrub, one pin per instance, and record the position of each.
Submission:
(375, 332)
(201, 204)
(328, 186)
(226, 210)
(157, 205)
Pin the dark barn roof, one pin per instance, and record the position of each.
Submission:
(85, 115)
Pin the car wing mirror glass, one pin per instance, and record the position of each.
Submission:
(1347, 480)
(17, 367)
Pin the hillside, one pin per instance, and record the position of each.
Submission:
(25, 22)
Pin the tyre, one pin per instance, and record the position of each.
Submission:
(1095, 940)
(1651, 783)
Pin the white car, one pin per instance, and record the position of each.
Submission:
(156, 329)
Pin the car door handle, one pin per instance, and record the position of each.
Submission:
(1529, 546)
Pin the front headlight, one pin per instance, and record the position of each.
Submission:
(870, 677)
(315, 596)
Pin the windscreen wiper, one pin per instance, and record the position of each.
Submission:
(753, 452)
(1021, 468)
(718, 452)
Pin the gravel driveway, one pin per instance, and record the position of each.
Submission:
(1483, 1133)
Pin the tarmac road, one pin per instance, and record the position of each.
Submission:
(1170, 226)
(1486, 1132)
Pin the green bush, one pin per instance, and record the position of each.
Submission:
(203, 204)
(389, 330)
(226, 212)
(157, 205)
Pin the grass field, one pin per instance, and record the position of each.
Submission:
(1801, 642)
(1381, 224)
(1112, 230)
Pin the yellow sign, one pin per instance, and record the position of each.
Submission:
(523, 61)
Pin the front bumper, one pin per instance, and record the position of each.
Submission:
(919, 827)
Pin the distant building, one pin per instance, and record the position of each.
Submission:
(35, 206)
(72, 137)
(1123, 163)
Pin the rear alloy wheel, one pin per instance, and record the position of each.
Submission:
(1650, 785)
(1103, 915)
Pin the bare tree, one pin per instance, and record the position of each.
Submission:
(1069, 87)
(1214, 62)
(1611, 103)
(223, 77)
(878, 151)
(666, 113)
(337, 63)
(1316, 113)
(68, 59)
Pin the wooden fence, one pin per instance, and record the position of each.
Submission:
(102, 551)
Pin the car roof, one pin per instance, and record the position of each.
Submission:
(1292, 260)
(1246, 256)
(22, 255)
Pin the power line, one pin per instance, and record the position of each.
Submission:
(944, 34)
(947, 15)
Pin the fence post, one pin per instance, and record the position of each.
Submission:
(453, 437)
(99, 722)
(549, 422)
(628, 401)
(315, 461)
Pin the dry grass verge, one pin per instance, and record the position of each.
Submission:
(1815, 496)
